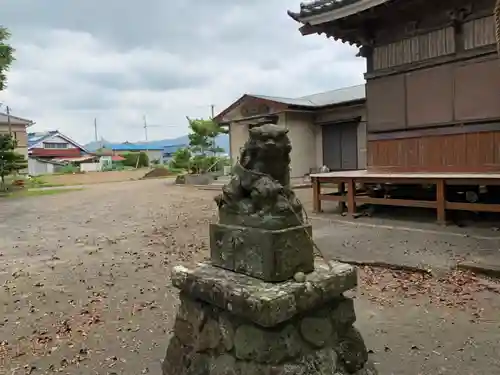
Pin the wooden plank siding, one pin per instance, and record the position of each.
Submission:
(418, 48)
(468, 153)
(479, 33)
(433, 91)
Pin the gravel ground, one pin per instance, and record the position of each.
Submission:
(85, 288)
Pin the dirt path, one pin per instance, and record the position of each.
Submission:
(85, 289)
(89, 178)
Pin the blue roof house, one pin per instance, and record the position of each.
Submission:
(168, 151)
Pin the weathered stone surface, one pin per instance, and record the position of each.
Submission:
(223, 365)
(316, 331)
(228, 345)
(191, 311)
(181, 359)
(344, 315)
(175, 359)
(210, 336)
(266, 346)
(244, 368)
(186, 333)
(269, 255)
(266, 304)
(321, 362)
(242, 314)
(259, 193)
(352, 350)
(368, 369)
(227, 331)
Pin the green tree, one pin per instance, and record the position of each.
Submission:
(203, 134)
(6, 56)
(181, 159)
(10, 161)
(136, 159)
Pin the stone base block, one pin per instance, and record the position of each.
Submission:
(263, 303)
(270, 255)
(208, 340)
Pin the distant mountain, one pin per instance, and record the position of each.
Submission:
(221, 141)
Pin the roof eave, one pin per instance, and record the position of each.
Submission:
(66, 138)
(342, 104)
(219, 119)
(337, 13)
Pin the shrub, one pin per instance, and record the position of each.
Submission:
(136, 159)
(68, 169)
(181, 159)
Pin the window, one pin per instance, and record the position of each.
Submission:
(55, 145)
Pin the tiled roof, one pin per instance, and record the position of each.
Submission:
(332, 97)
(332, 9)
(311, 8)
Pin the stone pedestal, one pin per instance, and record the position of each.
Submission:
(267, 254)
(233, 324)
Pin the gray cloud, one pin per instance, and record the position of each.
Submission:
(118, 60)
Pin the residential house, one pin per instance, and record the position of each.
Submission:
(54, 145)
(107, 158)
(154, 152)
(325, 129)
(18, 128)
(49, 151)
(38, 167)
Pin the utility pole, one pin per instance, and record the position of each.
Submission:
(146, 126)
(146, 136)
(8, 120)
(95, 129)
(212, 110)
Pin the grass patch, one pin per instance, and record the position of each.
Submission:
(35, 193)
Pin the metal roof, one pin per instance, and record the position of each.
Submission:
(37, 137)
(332, 97)
(126, 146)
(173, 148)
(34, 138)
(77, 159)
(4, 119)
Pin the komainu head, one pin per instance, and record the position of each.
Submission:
(267, 151)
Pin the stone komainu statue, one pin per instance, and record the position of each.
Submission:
(260, 186)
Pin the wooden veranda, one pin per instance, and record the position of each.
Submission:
(350, 198)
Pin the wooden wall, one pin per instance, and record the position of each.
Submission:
(433, 97)
(458, 92)
(466, 152)
(421, 47)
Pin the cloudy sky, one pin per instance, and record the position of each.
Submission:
(117, 60)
